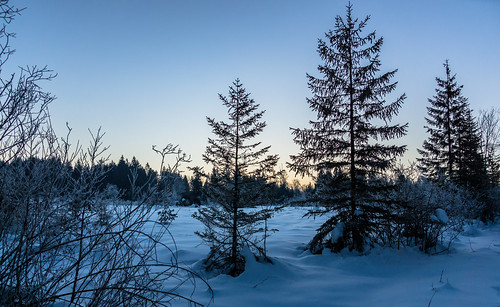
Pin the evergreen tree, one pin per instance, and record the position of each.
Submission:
(453, 148)
(196, 188)
(473, 168)
(440, 153)
(471, 171)
(119, 177)
(137, 177)
(344, 141)
(241, 170)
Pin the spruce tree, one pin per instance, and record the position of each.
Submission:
(342, 145)
(453, 148)
(471, 171)
(241, 172)
(440, 153)
(195, 187)
(119, 177)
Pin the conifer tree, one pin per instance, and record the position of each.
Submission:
(344, 140)
(471, 171)
(196, 187)
(440, 153)
(119, 176)
(241, 171)
(453, 148)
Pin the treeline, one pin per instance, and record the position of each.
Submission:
(183, 190)
(129, 179)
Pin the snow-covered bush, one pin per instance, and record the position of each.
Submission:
(428, 212)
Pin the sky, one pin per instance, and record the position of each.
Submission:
(149, 72)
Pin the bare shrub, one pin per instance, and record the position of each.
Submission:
(68, 241)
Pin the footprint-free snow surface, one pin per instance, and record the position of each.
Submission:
(469, 275)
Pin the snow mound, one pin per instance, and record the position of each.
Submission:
(440, 217)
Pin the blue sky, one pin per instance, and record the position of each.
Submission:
(149, 72)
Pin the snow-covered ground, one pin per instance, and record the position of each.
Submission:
(467, 276)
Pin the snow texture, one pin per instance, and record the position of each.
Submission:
(467, 276)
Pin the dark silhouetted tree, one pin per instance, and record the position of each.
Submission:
(342, 146)
(241, 171)
(453, 148)
(195, 188)
(119, 176)
(440, 153)
(471, 165)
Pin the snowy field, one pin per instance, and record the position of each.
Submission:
(467, 276)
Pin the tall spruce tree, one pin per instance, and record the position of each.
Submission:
(440, 153)
(240, 175)
(453, 148)
(344, 140)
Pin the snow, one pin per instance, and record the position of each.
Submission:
(337, 232)
(467, 276)
(442, 216)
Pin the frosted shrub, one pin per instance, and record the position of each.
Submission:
(65, 238)
(429, 212)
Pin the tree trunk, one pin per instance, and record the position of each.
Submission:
(352, 169)
(234, 246)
